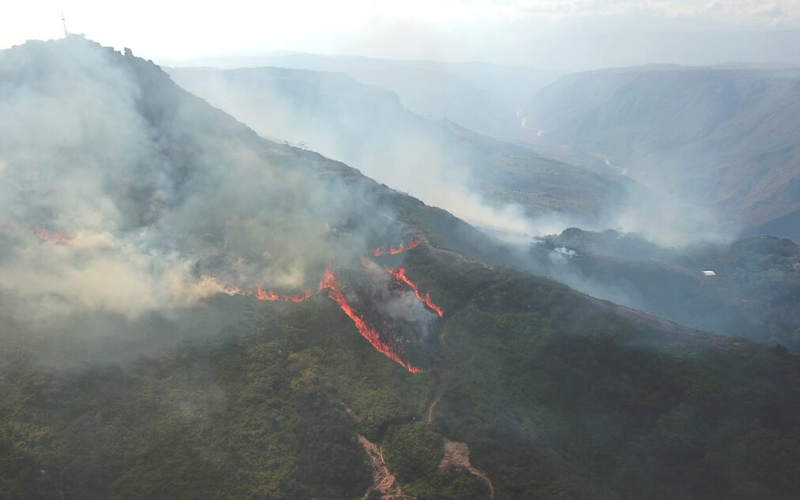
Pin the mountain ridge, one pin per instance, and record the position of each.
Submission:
(368, 128)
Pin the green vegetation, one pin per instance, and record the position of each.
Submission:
(413, 453)
(597, 407)
(762, 277)
(754, 294)
(558, 396)
(251, 416)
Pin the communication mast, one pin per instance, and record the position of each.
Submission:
(64, 22)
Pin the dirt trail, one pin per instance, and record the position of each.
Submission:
(439, 392)
(444, 374)
(384, 481)
(445, 370)
(457, 455)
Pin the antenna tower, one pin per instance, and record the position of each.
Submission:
(64, 22)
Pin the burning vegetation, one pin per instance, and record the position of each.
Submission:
(395, 251)
(400, 275)
(392, 350)
(272, 297)
(387, 331)
(44, 235)
(375, 300)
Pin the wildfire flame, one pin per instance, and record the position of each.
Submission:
(260, 294)
(272, 297)
(230, 288)
(42, 233)
(64, 239)
(331, 283)
(394, 251)
(400, 275)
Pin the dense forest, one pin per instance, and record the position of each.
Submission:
(556, 396)
(753, 294)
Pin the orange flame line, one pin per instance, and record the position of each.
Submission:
(400, 274)
(331, 283)
(64, 239)
(260, 294)
(394, 251)
(368, 333)
(272, 297)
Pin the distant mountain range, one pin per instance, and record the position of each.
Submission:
(723, 136)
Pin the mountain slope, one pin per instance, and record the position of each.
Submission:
(724, 135)
(555, 395)
(533, 389)
(368, 128)
(480, 96)
(752, 294)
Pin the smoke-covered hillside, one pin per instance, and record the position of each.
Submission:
(720, 137)
(753, 292)
(480, 96)
(485, 181)
(125, 198)
(354, 342)
(361, 124)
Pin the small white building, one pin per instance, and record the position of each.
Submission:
(709, 273)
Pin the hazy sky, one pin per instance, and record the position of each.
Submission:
(430, 29)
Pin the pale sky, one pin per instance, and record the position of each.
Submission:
(425, 29)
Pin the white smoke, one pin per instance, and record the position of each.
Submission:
(159, 198)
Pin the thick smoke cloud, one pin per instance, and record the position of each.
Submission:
(397, 304)
(159, 200)
(496, 186)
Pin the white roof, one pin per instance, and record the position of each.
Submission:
(709, 273)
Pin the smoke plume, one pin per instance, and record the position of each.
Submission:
(123, 195)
